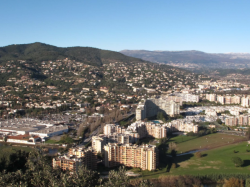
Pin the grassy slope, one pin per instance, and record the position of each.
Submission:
(187, 143)
(217, 160)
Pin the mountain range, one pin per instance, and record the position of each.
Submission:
(193, 59)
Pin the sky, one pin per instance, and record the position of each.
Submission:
(213, 26)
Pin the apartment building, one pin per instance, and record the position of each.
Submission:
(189, 97)
(153, 105)
(148, 129)
(98, 142)
(227, 100)
(211, 97)
(175, 98)
(144, 156)
(235, 99)
(182, 125)
(221, 99)
(65, 162)
(231, 121)
(112, 128)
(245, 101)
(88, 156)
(243, 120)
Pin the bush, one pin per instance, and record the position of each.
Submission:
(237, 161)
(198, 155)
(174, 165)
(247, 184)
(233, 182)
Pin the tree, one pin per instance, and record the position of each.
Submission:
(172, 146)
(219, 121)
(39, 173)
(238, 162)
(117, 178)
(248, 134)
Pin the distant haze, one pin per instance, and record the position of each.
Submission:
(193, 59)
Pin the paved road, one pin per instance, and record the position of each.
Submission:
(95, 132)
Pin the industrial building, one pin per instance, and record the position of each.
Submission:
(33, 127)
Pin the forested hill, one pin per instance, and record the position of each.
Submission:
(38, 52)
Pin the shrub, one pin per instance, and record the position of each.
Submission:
(233, 182)
(237, 161)
(247, 184)
(174, 165)
(198, 155)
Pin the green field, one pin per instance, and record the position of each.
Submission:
(188, 143)
(7, 148)
(52, 141)
(214, 160)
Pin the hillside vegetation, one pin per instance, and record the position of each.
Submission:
(38, 52)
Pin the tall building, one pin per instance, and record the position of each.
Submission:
(221, 99)
(88, 156)
(98, 142)
(189, 97)
(108, 129)
(245, 101)
(211, 97)
(148, 129)
(243, 120)
(182, 125)
(152, 106)
(228, 100)
(235, 99)
(144, 156)
(112, 128)
(231, 121)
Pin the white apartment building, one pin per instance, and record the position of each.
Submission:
(221, 99)
(245, 101)
(211, 97)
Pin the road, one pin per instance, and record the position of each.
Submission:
(95, 132)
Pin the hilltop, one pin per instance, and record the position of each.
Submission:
(38, 52)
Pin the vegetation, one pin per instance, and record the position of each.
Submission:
(248, 134)
(237, 161)
(38, 172)
(38, 52)
(198, 154)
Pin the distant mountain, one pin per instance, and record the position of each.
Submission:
(38, 52)
(193, 59)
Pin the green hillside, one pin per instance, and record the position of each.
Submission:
(38, 52)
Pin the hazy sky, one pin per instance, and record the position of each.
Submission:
(205, 25)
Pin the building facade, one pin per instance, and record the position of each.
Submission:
(144, 156)
(152, 106)
(88, 156)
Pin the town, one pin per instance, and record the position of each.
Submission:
(107, 111)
